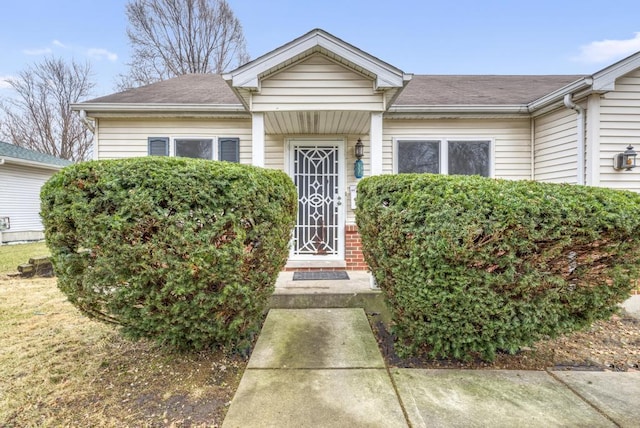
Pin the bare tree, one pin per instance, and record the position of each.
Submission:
(40, 116)
(174, 37)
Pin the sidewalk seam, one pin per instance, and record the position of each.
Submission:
(395, 389)
(583, 398)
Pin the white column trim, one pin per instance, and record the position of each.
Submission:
(375, 137)
(96, 140)
(593, 140)
(257, 138)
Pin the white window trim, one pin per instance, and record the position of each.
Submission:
(444, 151)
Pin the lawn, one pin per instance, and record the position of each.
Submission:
(13, 255)
(59, 368)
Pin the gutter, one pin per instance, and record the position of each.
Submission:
(471, 108)
(89, 124)
(154, 107)
(558, 94)
(580, 138)
(17, 161)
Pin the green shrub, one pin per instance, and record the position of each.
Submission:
(181, 250)
(470, 266)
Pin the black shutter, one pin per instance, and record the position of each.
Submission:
(158, 146)
(229, 149)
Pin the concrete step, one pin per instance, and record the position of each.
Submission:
(356, 292)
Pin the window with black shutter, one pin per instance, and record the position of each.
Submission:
(229, 149)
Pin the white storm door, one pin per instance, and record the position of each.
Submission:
(317, 171)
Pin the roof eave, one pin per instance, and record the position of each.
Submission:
(582, 84)
(26, 162)
(605, 79)
(157, 108)
(463, 109)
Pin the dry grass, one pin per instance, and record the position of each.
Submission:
(59, 368)
(13, 255)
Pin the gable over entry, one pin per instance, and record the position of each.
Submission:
(316, 84)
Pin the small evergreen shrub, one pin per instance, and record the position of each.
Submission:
(471, 266)
(184, 251)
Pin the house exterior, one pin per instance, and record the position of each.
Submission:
(305, 106)
(22, 174)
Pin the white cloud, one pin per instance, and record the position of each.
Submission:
(3, 82)
(608, 50)
(41, 51)
(59, 44)
(99, 54)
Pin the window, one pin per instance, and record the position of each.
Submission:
(469, 157)
(419, 156)
(226, 149)
(201, 148)
(158, 146)
(462, 157)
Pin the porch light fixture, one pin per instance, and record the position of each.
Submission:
(359, 149)
(625, 160)
(358, 165)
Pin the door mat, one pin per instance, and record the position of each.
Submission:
(320, 275)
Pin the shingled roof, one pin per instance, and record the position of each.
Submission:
(11, 151)
(185, 89)
(422, 90)
(432, 90)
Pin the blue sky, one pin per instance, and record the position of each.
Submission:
(417, 36)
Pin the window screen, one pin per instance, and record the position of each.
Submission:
(229, 149)
(469, 157)
(201, 148)
(158, 146)
(419, 156)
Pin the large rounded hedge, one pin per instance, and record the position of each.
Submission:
(471, 266)
(184, 251)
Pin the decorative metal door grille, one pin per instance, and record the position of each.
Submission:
(315, 173)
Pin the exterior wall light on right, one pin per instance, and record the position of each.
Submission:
(625, 160)
(358, 166)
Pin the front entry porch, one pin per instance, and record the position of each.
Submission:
(325, 236)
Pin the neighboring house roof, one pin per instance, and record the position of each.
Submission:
(431, 90)
(14, 154)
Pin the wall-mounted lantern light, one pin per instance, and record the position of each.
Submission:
(625, 160)
(358, 166)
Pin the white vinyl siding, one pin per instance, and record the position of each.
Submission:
(317, 84)
(274, 156)
(556, 154)
(619, 127)
(511, 139)
(20, 196)
(123, 138)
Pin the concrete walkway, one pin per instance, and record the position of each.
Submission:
(322, 368)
